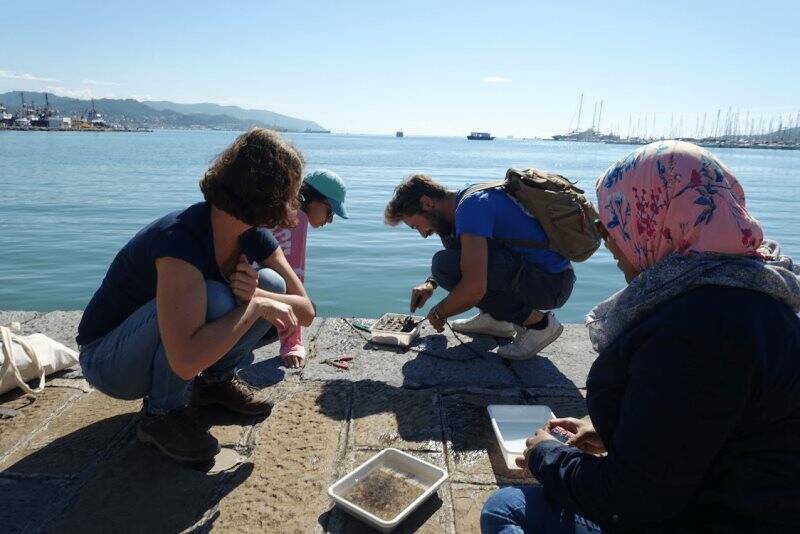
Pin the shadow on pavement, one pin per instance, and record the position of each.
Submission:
(337, 521)
(124, 487)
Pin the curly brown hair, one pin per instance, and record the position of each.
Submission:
(407, 195)
(256, 179)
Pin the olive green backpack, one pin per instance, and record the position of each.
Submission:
(565, 214)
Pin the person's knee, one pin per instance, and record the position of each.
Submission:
(271, 281)
(502, 508)
(219, 300)
(566, 289)
(446, 268)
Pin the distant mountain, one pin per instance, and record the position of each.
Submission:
(260, 115)
(134, 114)
(786, 134)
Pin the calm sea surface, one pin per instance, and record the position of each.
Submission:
(69, 201)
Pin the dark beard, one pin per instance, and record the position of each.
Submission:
(439, 223)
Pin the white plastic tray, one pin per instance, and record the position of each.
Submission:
(386, 337)
(513, 424)
(425, 473)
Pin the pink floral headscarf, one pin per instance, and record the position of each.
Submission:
(674, 196)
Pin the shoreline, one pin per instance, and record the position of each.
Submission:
(89, 130)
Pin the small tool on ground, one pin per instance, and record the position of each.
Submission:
(340, 362)
(358, 325)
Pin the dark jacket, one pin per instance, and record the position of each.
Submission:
(698, 404)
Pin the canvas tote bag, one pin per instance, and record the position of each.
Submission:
(26, 358)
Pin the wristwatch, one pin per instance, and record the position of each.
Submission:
(432, 282)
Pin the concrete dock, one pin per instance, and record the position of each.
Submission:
(70, 461)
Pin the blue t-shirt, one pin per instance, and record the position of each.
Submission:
(131, 279)
(491, 213)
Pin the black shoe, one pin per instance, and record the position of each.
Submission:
(233, 393)
(177, 435)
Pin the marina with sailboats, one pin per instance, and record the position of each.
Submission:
(732, 129)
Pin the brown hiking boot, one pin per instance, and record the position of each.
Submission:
(177, 435)
(234, 394)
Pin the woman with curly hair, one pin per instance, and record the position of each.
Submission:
(181, 304)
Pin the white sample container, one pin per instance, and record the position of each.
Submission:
(393, 337)
(513, 424)
(428, 475)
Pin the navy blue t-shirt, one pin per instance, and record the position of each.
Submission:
(131, 279)
(491, 213)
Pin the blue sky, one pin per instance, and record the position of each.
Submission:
(512, 68)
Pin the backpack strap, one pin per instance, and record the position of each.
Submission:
(477, 188)
(520, 243)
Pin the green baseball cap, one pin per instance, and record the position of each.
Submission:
(332, 186)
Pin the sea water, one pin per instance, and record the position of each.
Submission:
(70, 200)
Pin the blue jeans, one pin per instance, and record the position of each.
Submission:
(518, 509)
(130, 361)
(514, 288)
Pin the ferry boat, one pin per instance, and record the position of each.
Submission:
(480, 136)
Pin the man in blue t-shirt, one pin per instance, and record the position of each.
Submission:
(511, 286)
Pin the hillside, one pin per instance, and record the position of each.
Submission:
(260, 115)
(132, 113)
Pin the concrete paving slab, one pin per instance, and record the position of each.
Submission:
(24, 500)
(226, 426)
(450, 345)
(434, 516)
(429, 400)
(566, 362)
(433, 360)
(336, 338)
(32, 414)
(8, 317)
(386, 416)
(367, 364)
(474, 456)
(310, 332)
(296, 458)
(140, 490)
(488, 371)
(71, 440)
(468, 501)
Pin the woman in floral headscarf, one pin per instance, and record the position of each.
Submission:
(694, 399)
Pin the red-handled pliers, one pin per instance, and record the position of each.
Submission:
(340, 362)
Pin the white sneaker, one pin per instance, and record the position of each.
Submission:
(485, 324)
(529, 342)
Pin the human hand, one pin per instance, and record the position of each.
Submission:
(420, 295)
(585, 437)
(436, 319)
(278, 313)
(244, 281)
(541, 435)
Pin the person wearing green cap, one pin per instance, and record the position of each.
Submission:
(322, 195)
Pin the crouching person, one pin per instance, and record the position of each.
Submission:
(512, 286)
(181, 304)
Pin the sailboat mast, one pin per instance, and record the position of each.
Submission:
(580, 109)
(599, 116)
